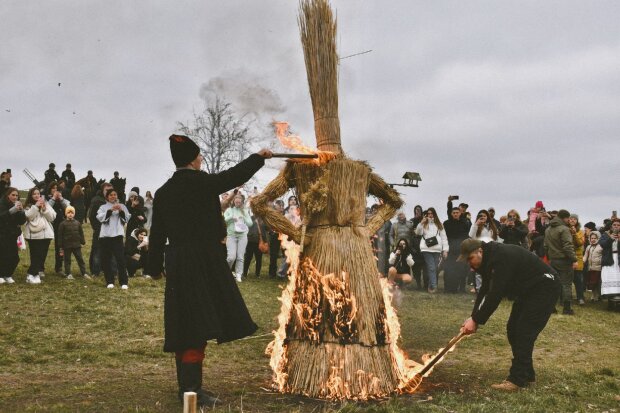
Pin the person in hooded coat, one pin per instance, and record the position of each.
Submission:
(202, 300)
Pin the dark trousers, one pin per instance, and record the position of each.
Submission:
(454, 274)
(528, 317)
(38, 253)
(9, 257)
(252, 251)
(579, 285)
(419, 273)
(57, 258)
(274, 253)
(113, 248)
(135, 265)
(566, 274)
(94, 261)
(77, 252)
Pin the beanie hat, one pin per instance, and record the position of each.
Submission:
(132, 193)
(598, 234)
(563, 214)
(591, 225)
(136, 190)
(539, 204)
(575, 216)
(183, 150)
(69, 208)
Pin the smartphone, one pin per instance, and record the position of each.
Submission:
(455, 197)
(614, 213)
(8, 170)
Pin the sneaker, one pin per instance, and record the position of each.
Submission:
(70, 277)
(87, 277)
(9, 280)
(2, 280)
(581, 301)
(37, 279)
(238, 278)
(110, 286)
(147, 277)
(506, 386)
(41, 274)
(30, 279)
(124, 287)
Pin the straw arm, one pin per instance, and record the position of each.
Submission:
(272, 218)
(391, 199)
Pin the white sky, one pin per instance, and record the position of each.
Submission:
(503, 103)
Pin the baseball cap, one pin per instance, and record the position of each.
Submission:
(467, 247)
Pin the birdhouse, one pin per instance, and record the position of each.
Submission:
(411, 179)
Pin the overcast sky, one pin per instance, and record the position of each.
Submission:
(501, 102)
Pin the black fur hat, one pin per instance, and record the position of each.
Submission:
(183, 150)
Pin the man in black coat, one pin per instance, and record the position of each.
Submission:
(51, 175)
(455, 273)
(512, 271)
(69, 177)
(202, 300)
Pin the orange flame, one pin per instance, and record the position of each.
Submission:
(339, 298)
(291, 141)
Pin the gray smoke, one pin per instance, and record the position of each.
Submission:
(246, 93)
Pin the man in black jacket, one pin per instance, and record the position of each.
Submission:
(455, 273)
(69, 177)
(51, 175)
(202, 300)
(509, 270)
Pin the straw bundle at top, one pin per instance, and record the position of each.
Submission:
(318, 38)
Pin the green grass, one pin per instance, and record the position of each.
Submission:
(74, 346)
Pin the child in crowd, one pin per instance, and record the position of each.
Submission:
(71, 239)
(592, 265)
(137, 251)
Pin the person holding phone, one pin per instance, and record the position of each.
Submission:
(113, 216)
(12, 217)
(433, 245)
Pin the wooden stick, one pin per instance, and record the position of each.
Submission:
(190, 401)
(295, 155)
(442, 353)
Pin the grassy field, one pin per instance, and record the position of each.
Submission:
(74, 346)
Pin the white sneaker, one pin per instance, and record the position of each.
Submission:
(41, 274)
(87, 277)
(9, 280)
(147, 277)
(2, 280)
(110, 286)
(124, 287)
(70, 277)
(238, 278)
(30, 279)
(36, 279)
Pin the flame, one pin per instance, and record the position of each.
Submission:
(291, 141)
(301, 301)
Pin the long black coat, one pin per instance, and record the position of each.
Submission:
(202, 300)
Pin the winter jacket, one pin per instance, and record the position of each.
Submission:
(607, 243)
(70, 234)
(457, 231)
(135, 222)
(513, 235)
(432, 231)
(10, 224)
(401, 230)
(59, 208)
(257, 224)
(593, 257)
(39, 223)
(507, 271)
(113, 222)
(95, 204)
(531, 226)
(403, 266)
(132, 243)
(559, 242)
(486, 235)
(578, 243)
(235, 219)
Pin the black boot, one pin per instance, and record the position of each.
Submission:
(191, 380)
(567, 310)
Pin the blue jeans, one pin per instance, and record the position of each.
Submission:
(431, 259)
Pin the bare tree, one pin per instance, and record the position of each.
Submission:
(223, 137)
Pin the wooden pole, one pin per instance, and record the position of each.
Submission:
(190, 401)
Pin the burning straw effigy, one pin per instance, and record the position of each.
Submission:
(338, 332)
